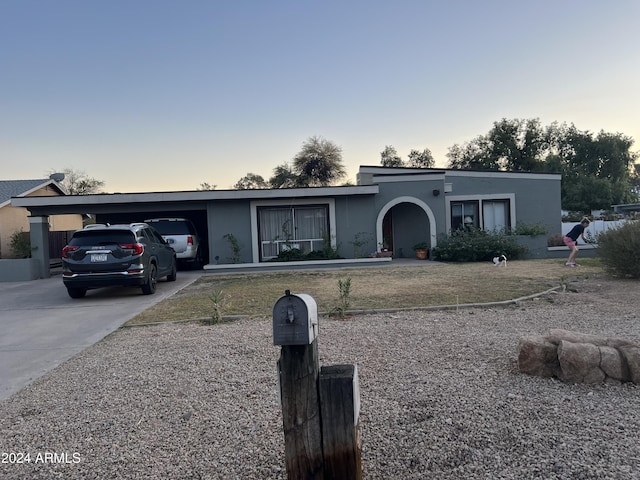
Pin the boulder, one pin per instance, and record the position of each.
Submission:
(580, 358)
(579, 363)
(557, 335)
(613, 365)
(538, 357)
(631, 355)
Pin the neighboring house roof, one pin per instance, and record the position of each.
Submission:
(22, 188)
(626, 208)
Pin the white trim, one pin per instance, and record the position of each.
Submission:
(253, 205)
(491, 196)
(415, 201)
(493, 174)
(287, 265)
(404, 171)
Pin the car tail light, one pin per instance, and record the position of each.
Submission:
(189, 240)
(137, 248)
(67, 249)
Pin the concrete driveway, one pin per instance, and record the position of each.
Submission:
(41, 327)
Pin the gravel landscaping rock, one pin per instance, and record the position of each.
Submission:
(441, 397)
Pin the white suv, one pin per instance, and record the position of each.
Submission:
(182, 236)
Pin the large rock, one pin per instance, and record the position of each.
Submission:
(557, 335)
(579, 357)
(631, 355)
(579, 363)
(613, 365)
(538, 357)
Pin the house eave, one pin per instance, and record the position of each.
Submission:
(194, 196)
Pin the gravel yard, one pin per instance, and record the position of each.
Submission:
(440, 397)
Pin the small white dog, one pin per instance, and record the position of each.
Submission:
(500, 261)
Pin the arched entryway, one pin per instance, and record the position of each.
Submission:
(402, 223)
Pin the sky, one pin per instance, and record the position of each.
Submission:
(160, 95)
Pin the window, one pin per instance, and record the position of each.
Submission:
(495, 214)
(488, 214)
(304, 227)
(464, 214)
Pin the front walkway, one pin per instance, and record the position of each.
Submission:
(316, 265)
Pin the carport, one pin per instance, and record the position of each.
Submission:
(110, 208)
(217, 214)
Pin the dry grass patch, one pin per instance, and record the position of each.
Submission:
(425, 285)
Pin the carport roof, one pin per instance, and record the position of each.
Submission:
(105, 202)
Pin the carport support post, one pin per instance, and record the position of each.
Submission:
(39, 237)
(298, 370)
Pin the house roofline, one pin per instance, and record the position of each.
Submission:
(200, 195)
(387, 172)
(44, 183)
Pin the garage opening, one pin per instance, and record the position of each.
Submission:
(198, 217)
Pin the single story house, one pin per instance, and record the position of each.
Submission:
(629, 210)
(15, 219)
(389, 207)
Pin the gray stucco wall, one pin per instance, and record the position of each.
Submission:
(355, 216)
(21, 269)
(537, 197)
(411, 224)
(229, 217)
(537, 200)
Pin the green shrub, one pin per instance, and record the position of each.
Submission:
(297, 255)
(20, 244)
(290, 255)
(235, 247)
(218, 299)
(619, 250)
(360, 240)
(475, 245)
(531, 229)
(344, 287)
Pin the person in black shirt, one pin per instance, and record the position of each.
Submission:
(571, 238)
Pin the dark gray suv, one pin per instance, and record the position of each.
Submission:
(116, 255)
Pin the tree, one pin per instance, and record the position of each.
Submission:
(77, 182)
(389, 157)
(635, 182)
(251, 181)
(597, 170)
(472, 155)
(512, 145)
(283, 177)
(319, 163)
(423, 159)
(204, 186)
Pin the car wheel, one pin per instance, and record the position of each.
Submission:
(174, 272)
(76, 292)
(152, 279)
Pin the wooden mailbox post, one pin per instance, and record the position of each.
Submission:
(319, 408)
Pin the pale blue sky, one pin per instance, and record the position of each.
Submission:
(160, 95)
